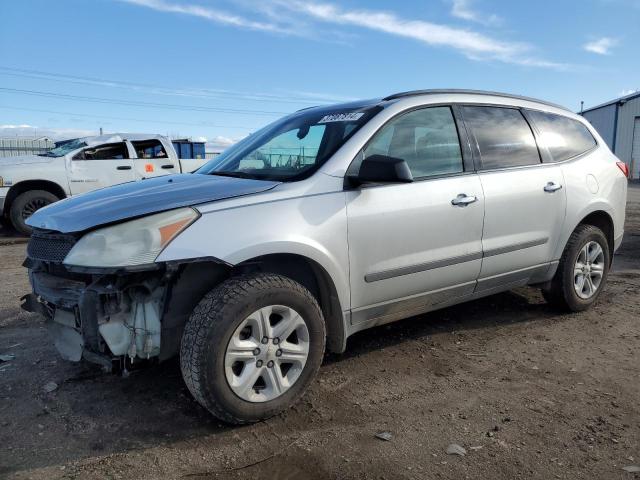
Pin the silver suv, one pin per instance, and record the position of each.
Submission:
(326, 222)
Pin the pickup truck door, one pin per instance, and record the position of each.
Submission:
(99, 166)
(415, 245)
(152, 159)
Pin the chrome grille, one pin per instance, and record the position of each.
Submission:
(50, 247)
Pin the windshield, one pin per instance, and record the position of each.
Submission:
(62, 148)
(293, 147)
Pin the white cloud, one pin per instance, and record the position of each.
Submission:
(292, 17)
(15, 127)
(32, 132)
(219, 143)
(601, 46)
(474, 45)
(210, 14)
(463, 9)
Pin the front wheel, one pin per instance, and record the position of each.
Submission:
(25, 205)
(582, 271)
(252, 347)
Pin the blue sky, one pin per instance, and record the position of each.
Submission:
(221, 69)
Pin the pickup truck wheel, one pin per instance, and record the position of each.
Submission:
(582, 271)
(26, 205)
(252, 346)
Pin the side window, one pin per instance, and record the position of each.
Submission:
(149, 149)
(427, 139)
(113, 151)
(503, 136)
(563, 137)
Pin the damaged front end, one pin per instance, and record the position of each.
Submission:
(119, 318)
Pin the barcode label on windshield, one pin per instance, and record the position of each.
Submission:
(341, 117)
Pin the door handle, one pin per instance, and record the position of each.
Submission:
(463, 200)
(123, 167)
(168, 166)
(551, 187)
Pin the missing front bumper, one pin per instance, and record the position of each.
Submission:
(100, 318)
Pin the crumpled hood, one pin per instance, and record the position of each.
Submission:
(135, 199)
(23, 160)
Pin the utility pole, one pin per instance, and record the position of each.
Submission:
(581, 106)
(100, 130)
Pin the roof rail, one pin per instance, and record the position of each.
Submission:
(413, 93)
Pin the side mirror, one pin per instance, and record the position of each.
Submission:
(382, 169)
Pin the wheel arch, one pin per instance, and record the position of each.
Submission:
(315, 278)
(602, 220)
(26, 185)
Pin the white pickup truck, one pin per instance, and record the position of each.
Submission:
(76, 166)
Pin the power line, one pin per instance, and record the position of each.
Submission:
(108, 117)
(162, 90)
(113, 101)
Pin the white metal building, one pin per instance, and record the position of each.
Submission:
(13, 147)
(618, 122)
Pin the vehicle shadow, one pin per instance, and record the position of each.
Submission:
(517, 306)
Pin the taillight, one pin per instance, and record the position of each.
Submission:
(625, 169)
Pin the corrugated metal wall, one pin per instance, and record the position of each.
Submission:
(624, 141)
(10, 147)
(603, 119)
(635, 149)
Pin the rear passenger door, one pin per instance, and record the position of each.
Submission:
(153, 160)
(525, 200)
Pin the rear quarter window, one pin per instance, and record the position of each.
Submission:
(564, 137)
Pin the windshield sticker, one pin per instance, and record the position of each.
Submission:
(341, 117)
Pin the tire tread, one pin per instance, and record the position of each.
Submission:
(558, 294)
(193, 347)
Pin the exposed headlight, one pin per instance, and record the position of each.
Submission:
(136, 242)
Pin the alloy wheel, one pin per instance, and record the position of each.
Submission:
(589, 270)
(266, 353)
(33, 205)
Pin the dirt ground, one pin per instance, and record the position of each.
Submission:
(529, 393)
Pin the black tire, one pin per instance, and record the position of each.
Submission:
(213, 321)
(25, 205)
(560, 293)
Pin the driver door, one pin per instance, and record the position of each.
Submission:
(414, 245)
(100, 166)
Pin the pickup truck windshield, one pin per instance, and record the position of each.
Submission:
(293, 147)
(65, 147)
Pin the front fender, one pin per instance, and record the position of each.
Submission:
(314, 227)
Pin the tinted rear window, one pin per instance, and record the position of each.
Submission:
(503, 136)
(563, 137)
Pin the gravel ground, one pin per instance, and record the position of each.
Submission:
(528, 393)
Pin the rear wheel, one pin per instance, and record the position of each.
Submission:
(582, 272)
(25, 205)
(252, 347)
